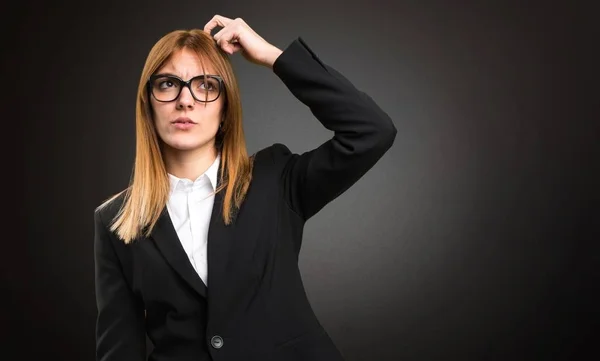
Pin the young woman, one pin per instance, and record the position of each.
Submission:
(200, 251)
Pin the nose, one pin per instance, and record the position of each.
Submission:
(185, 99)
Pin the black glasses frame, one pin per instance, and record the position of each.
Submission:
(185, 84)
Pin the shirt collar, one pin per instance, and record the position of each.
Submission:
(210, 174)
(212, 171)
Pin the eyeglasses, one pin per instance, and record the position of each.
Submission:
(204, 88)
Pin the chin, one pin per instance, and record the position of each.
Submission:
(186, 144)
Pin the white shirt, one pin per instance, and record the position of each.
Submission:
(190, 206)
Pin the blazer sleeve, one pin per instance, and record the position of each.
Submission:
(362, 131)
(120, 332)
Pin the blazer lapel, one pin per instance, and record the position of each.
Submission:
(221, 285)
(166, 239)
(220, 238)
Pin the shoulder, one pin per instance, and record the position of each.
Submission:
(109, 208)
(275, 154)
(273, 158)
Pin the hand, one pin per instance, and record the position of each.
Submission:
(236, 35)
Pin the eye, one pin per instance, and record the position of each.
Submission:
(165, 83)
(207, 85)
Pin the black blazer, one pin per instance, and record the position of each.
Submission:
(255, 306)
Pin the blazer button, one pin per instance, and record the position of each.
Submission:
(216, 341)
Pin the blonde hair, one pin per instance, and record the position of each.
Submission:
(149, 187)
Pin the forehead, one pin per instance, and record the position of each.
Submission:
(186, 63)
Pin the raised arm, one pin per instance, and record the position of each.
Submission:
(363, 132)
(120, 333)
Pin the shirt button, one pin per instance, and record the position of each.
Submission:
(216, 341)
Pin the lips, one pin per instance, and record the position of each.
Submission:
(183, 120)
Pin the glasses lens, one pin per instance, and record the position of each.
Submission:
(166, 88)
(205, 88)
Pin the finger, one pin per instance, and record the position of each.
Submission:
(228, 44)
(229, 34)
(224, 33)
(232, 48)
(217, 20)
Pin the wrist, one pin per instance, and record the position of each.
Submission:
(272, 56)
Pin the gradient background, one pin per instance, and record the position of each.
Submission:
(474, 238)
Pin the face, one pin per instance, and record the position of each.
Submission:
(186, 124)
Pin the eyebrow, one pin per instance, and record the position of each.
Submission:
(175, 75)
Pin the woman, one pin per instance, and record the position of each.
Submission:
(200, 252)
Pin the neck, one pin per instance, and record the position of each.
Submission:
(189, 164)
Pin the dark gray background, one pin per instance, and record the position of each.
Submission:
(474, 238)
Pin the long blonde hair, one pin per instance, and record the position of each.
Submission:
(148, 191)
